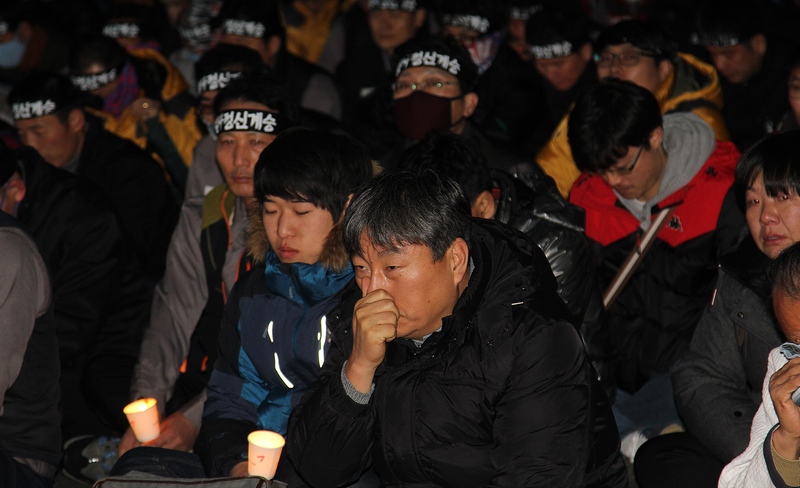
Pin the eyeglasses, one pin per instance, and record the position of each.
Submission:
(405, 87)
(626, 58)
(622, 172)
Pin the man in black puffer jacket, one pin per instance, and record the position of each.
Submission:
(459, 366)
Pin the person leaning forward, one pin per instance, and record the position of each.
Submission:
(453, 364)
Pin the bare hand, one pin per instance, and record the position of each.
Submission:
(375, 319)
(782, 384)
(239, 470)
(145, 108)
(127, 442)
(177, 432)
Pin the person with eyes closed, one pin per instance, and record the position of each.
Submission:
(273, 337)
(639, 52)
(717, 384)
(206, 256)
(637, 165)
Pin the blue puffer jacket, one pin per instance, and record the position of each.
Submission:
(272, 345)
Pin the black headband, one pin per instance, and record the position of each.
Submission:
(404, 5)
(31, 109)
(247, 120)
(429, 58)
(478, 23)
(216, 81)
(122, 30)
(94, 81)
(246, 28)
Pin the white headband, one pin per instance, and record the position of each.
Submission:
(555, 50)
(216, 81)
(473, 22)
(30, 110)
(243, 28)
(122, 30)
(251, 121)
(429, 58)
(94, 81)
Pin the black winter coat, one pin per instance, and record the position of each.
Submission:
(502, 396)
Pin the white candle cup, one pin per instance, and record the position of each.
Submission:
(263, 453)
(143, 417)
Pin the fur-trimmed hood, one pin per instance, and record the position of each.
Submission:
(334, 256)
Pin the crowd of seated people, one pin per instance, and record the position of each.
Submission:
(429, 242)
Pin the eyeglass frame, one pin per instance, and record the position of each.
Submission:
(618, 57)
(422, 85)
(622, 172)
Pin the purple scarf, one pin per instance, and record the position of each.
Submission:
(126, 92)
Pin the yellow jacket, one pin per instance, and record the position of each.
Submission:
(177, 115)
(681, 92)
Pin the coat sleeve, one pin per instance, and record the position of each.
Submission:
(754, 468)
(544, 421)
(330, 435)
(24, 296)
(178, 303)
(710, 383)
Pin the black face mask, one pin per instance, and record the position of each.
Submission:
(420, 114)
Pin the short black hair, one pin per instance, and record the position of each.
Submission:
(96, 50)
(228, 57)
(553, 25)
(312, 165)
(468, 71)
(776, 158)
(260, 88)
(643, 35)
(266, 12)
(607, 119)
(401, 207)
(721, 22)
(784, 272)
(452, 156)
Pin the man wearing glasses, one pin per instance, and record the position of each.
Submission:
(637, 163)
(638, 52)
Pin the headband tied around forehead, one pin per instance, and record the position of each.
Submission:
(472, 22)
(246, 120)
(94, 81)
(429, 58)
(4, 27)
(246, 28)
(216, 81)
(33, 108)
(555, 50)
(524, 13)
(404, 5)
(721, 39)
(122, 30)
(198, 32)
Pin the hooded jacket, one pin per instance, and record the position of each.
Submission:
(718, 384)
(653, 318)
(170, 137)
(693, 86)
(502, 395)
(273, 342)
